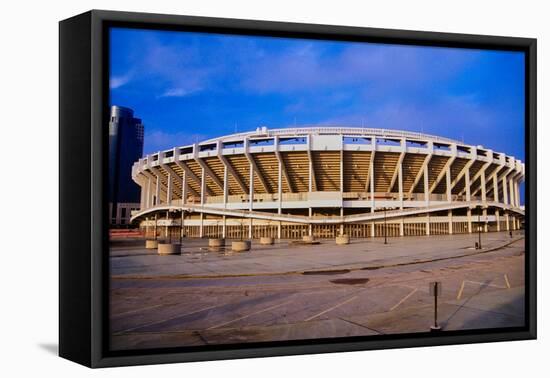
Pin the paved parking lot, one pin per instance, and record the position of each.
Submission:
(288, 293)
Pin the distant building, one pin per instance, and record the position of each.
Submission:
(125, 147)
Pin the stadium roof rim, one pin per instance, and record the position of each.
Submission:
(331, 130)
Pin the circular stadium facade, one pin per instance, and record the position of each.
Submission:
(326, 181)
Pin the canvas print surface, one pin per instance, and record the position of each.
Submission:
(269, 189)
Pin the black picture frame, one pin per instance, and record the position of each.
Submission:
(83, 140)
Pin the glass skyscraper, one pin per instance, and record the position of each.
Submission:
(125, 147)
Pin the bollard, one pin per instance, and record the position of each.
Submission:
(241, 246)
(266, 240)
(216, 243)
(308, 239)
(342, 239)
(169, 249)
(151, 244)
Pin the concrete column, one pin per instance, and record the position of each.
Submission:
(342, 170)
(518, 202)
(149, 198)
(467, 185)
(427, 197)
(157, 191)
(400, 184)
(372, 201)
(251, 197)
(225, 190)
(507, 219)
(505, 190)
(512, 197)
(203, 186)
(280, 188)
(495, 188)
(483, 186)
(497, 218)
(448, 184)
(224, 225)
(203, 200)
(426, 187)
(169, 190)
(184, 188)
(401, 227)
(450, 215)
(142, 194)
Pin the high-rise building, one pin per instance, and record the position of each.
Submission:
(125, 147)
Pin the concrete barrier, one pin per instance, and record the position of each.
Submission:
(266, 240)
(216, 243)
(169, 249)
(151, 244)
(240, 246)
(342, 239)
(308, 239)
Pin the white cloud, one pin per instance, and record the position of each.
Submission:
(118, 81)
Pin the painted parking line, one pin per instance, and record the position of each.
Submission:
(167, 319)
(507, 282)
(114, 316)
(485, 284)
(332, 308)
(404, 299)
(461, 290)
(249, 315)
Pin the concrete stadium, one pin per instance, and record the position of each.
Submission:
(327, 181)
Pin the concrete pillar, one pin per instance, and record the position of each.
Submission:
(157, 191)
(251, 197)
(426, 187)
(169, 190)
(512, 199)
(467, 185)
(149, 199)
(495, 188)
(448, 183)
(518, 202)
(469, 214)
(342, 170)
(203, 186)
(372, 201)
(483, 186)
(497, 218)
(400, 184)
(201, 226)
(427, 197)
(401, 227)
(225, 189)
(507, 219)
(505, 190)
(450, 215)
(224, 226)
(184, 188)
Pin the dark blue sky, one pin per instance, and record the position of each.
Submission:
(190, 86)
